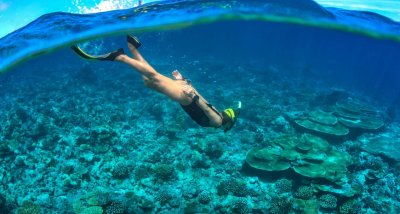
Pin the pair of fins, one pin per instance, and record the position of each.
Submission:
(108, 56)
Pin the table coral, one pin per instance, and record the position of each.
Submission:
(309, 156)
(321, 122)
(360, 115)
(383, 145)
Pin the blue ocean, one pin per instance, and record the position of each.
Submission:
(317, 130)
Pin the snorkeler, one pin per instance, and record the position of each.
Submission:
(178, 89)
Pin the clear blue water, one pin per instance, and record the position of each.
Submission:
(86, 136)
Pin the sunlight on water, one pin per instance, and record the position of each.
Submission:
(389, 8)
(103, 5)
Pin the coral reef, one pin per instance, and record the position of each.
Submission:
(233, 186)
(163, 172)
(388, 146)
(347, 115)
(304, 192)
(349, 207)
(163, 197)
(309, 156)
(240, 206)
(280, 205)
(205, 197)
(321, 122)
(306, 206)
(98, 142)
(328, 201)
(356, 114)
(283, 185)
(92, 210)
(115, 208)
(121, 170)
(29, 208)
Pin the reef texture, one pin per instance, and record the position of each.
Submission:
(95, 140)
(307, 155)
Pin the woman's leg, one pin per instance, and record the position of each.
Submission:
(136, 54)
(141, 66)
(153, 79)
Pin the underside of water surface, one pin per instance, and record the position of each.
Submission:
(318, 130)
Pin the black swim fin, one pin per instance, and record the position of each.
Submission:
(133, 40)
(105, 57)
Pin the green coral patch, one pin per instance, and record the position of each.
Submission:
(92, 210)
(318, 160)
(356, 106)
(285, 141)
(344, 190)
(257, 158)
(346, 114)
(336, 130)
(311, 170)
(315, 156)
(331, 166)
(355, 114)
(363, 123)
(306, 206)
(316, 142)
(322, 117)
(304, 146)
(383, 145)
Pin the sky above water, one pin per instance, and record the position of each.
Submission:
(15, 14)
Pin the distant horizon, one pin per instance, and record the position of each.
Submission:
(29, 10)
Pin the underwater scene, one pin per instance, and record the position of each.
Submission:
(304, 115)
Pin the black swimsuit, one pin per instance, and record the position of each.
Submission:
(197, 114)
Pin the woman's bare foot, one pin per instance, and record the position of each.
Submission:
(120, 57)
(132, 48)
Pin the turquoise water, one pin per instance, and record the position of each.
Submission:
(318, 131)
(14, 15)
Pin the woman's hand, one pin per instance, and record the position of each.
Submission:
(188, 90)
(177, 75)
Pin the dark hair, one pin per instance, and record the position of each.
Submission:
(225, 118)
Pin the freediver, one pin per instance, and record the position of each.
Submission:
(178, 89)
